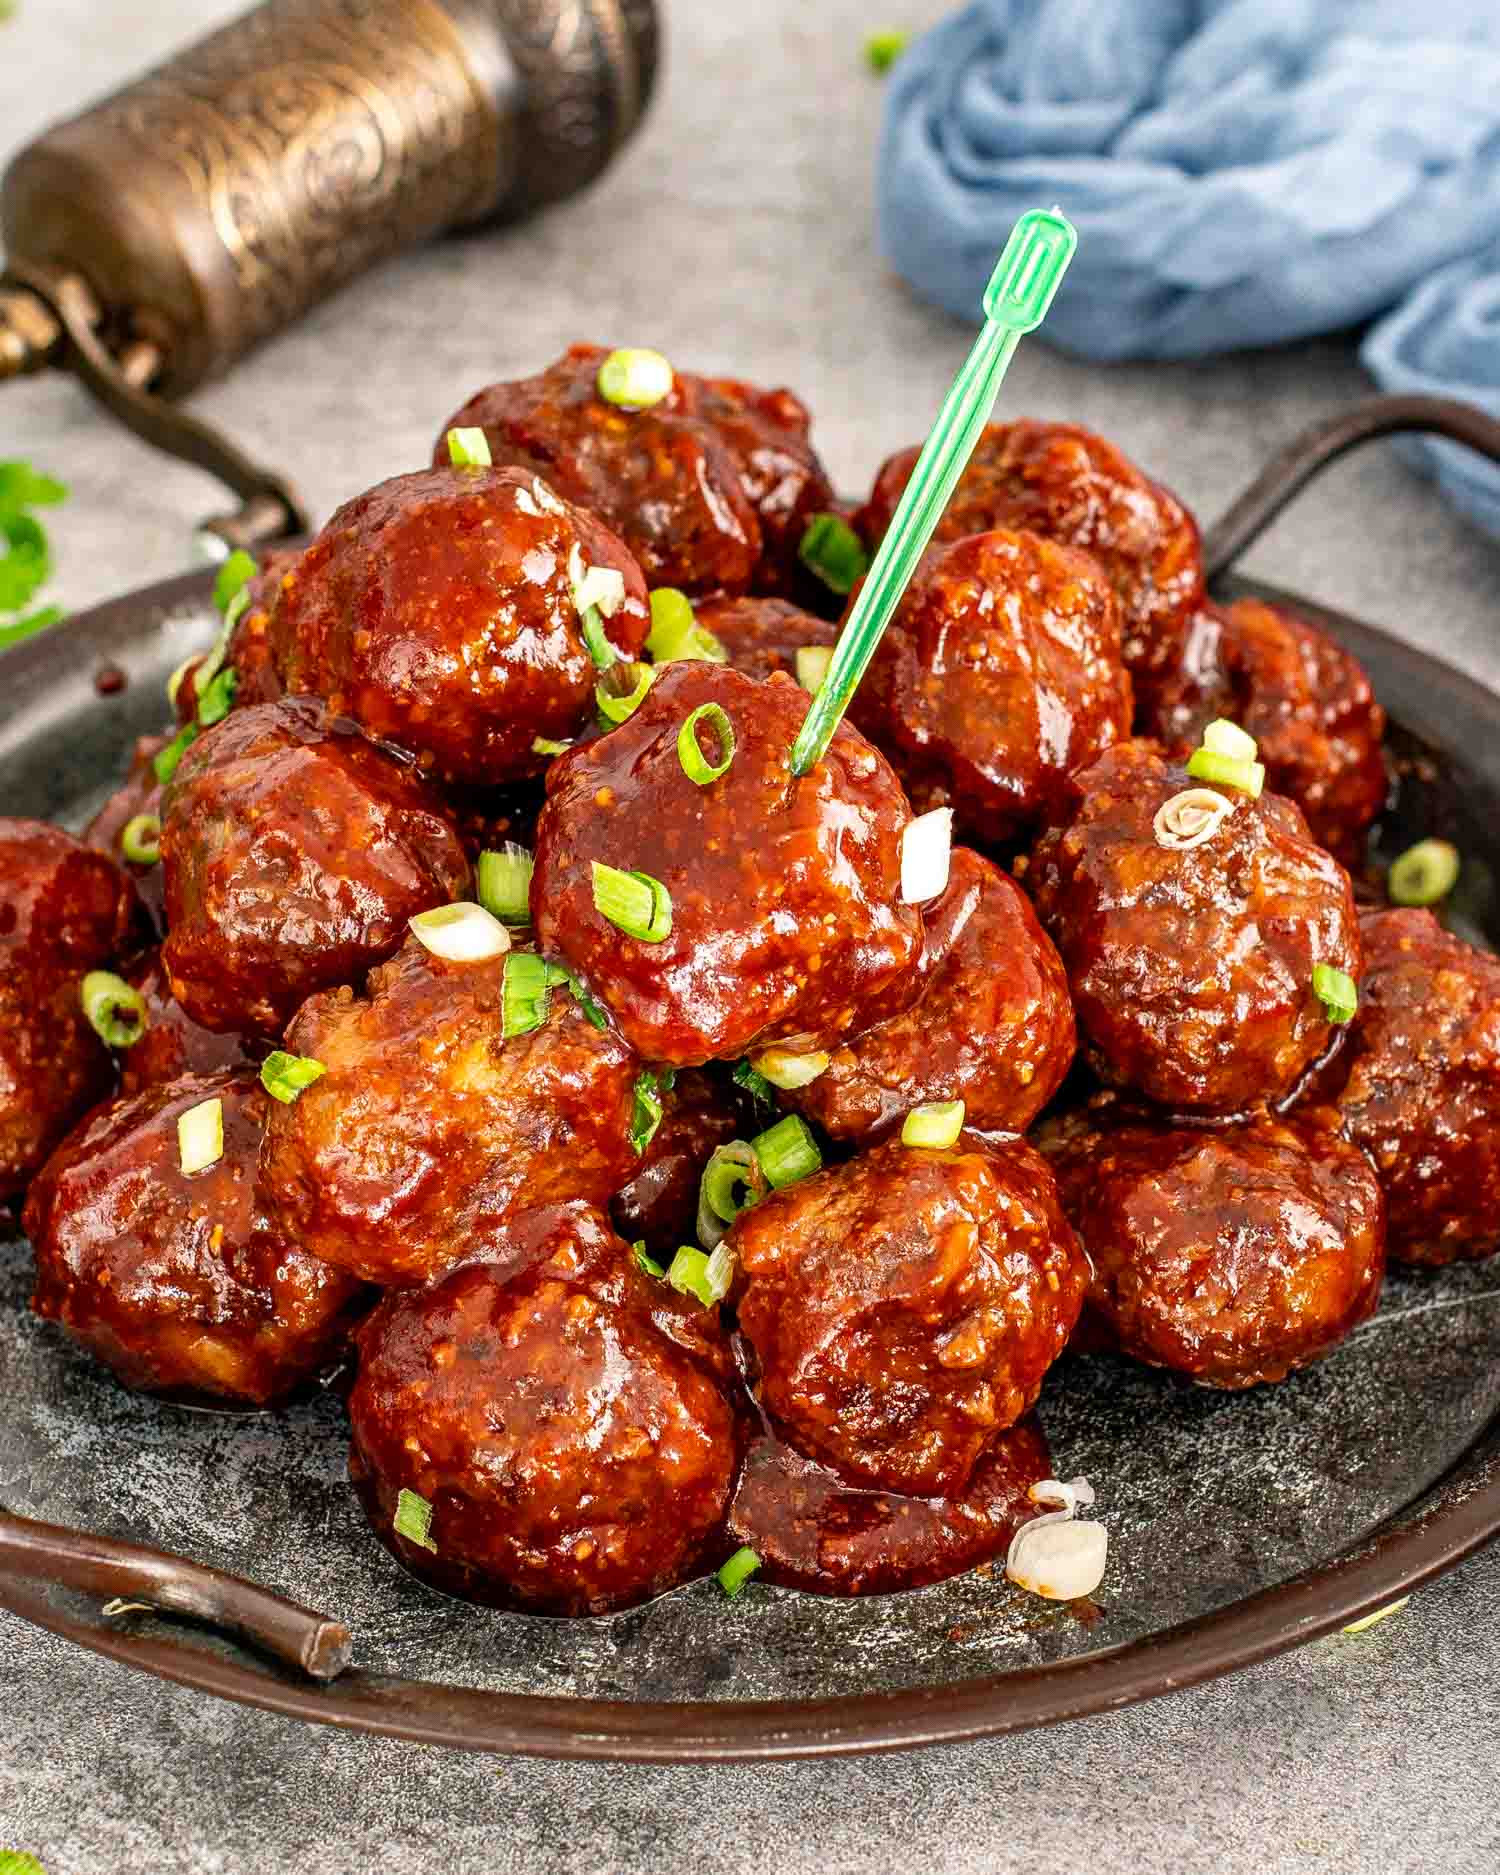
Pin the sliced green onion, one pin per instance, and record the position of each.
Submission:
(463, 933)
(544, 745)
(1423, 874)
(938, 1124)
(1225, 738)
(284, 1076)
(784, 1069)
(585, 1002)
(140, 839)
(883, 48)
(748, 1076)
(812, 666)
(787, 1152)
(831, 549)
(633, 902)
(524, 991)
(706, 1277)
(115, 1012)
(174, 682)
(164, 762)
(200, 1136)
(469, 449)
(413, 1512)
(233, 577)
(600, 649)
(17, 1861)
(615, 703)
(1361, 1626)
(646, 1112)
(209, 667)
(695, 764)
(738, 1571)
(635, 378)
(676, 637)
(732, 1181)
(215, 702)
(648, 1263)
(1227, 771)
(1337, 992)
(595, 589)
(503, 882)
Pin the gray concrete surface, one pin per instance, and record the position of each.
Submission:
(736, 233)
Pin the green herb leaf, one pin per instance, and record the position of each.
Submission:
(284, 1076)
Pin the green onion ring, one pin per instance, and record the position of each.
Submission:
(695, 764)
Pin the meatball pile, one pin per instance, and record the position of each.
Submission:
(701, 1166)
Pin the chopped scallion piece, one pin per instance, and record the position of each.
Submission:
(883, 48)
(633, 902)
(115, 1012)
(706, 1277)
(1361, 1626)
(1337, 992)
(140, 839)
(463, 933)
(831, 549)
(524, 993)
(504, 883)
(938, 1124)
(648, 1263)
(164, 762)
(786, 1070)
(232, 578)
(414, 1519)
(812, 666)
(16, 1861)
(748, 1076)
(595, 589)
(1227, 771)
(469, 449)
(732, 1181)
(174, 682)
(284, 1076)
(585, 1002)
(1222, 737)
(635, 378)
(599, 648)
(1423, 874)
(787, 1152)
(200, 1136)
(695, 764)
(544, 745)
(215, 702)
(208, 667)
(676, 637)
(616, 701)
(926, 856)
(738, 1571)
(646, 1113)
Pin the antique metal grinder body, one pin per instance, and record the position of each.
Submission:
(157, 237)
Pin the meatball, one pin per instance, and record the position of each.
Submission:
(1191, 967)
(903, 1307)
(171, 1043)
(576, 1458)
(764, 635)
(660, 1204)
(999, 674)
(992, 1026)
(179, 1281)
(1422, 1093)
(295, 852)
(139, 793)
(66, 910)
(785, 893)
(439, 611)
(1231, 1256)
(430, 1125)
(1070, 485)
(1306, 701)
(812, 1531)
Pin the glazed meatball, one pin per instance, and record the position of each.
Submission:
(1306, 701)
(785, 894)
(139, 793)
(903, 1307)
(171, 1044)
(1422, 1093)
(576, 1457)
(295, 852)
(1191, 967)
(178, 1281)
(992, 1026)
(764, 635)
(812, 1531)
(1070, 485)
(999, 674)
(67, 910)
(430, 1124)
(1232, 1256)
(438, 611)
(660, 1204)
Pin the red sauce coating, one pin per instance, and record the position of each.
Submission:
(764, 635)
(903, 1307)
(1191, 970)
(786, 915)
(139, 793)
(295, 852)
(998, 676)
(64, 910)
(180, 1283)
(251, 655)
(1231, 1256)
(992, 1025)
(577, 1457)
(660, 1204)
(1067, 483)
(430, 1126)
(172, 1044)
(437, 610)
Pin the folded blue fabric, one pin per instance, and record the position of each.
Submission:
(1240, 172)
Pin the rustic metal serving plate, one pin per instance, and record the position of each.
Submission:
(1239, 1524)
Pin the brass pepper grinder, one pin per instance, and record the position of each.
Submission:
(156, 238)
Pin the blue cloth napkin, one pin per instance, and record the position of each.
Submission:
(1240, 172)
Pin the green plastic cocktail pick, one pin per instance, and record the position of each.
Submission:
(1015, 302)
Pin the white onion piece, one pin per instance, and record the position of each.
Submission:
(464, 933)
(1054, 1491)
(1058, 1557)
(1190, 818)
(926, 849)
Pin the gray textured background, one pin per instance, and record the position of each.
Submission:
(736, 234)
